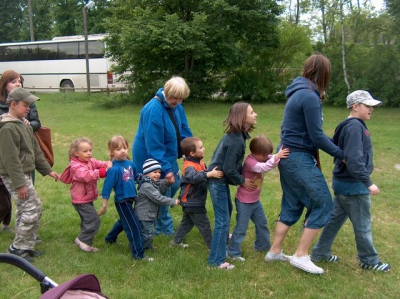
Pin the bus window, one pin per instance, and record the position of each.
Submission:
(29, 52)
(12, 53)
(68, 50)
(47, 51)
(95, 49)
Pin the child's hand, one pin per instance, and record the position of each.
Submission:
(283, 153)
(249, 184)
(215, 173)
(103, 210)
(54, 175)
(373, 189)
(170, 178)
(22, 192)
(177, 202)
(109, 165)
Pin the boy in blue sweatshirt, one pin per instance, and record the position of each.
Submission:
(352, 185)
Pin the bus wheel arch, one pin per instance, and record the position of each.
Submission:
(67, 85)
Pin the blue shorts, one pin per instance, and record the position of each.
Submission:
(304, 186)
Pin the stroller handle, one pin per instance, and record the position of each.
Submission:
(27, 267)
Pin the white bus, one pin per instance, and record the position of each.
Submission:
(60, 64)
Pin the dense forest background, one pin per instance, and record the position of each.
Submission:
(230, 49)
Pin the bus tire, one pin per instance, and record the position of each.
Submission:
(67, 86)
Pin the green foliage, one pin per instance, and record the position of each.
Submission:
(199, 40)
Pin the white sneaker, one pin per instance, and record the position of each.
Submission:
(271, 256)
(304, 263)
(237, 258)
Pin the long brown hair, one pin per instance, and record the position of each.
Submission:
(317, 69)
(236, 121)
(6, 78)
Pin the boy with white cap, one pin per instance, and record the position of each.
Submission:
(20, 154)
(352, 185)
(149, 199)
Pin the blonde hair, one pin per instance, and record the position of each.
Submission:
(75, 144)
(176, 87)
(115, 142)
(261, 145)
(6, 78)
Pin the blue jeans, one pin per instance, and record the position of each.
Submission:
(245, 212)
(164, 222)
(304, 186)
(358, 209)
(222, 204)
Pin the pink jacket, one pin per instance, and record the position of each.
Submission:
(83, 178)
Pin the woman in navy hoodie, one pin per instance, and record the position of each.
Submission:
(162, 126)
(303, 183)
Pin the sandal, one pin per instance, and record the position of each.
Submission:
(226, 266)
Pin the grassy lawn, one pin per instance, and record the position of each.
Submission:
(183, 273)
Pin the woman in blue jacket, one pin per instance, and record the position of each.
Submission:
(162, 126)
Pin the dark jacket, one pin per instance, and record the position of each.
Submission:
(193, 185)
(302, 120)
(228, 156)
(33, 115)
(353, 137)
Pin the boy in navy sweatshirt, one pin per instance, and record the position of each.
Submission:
(352, 185)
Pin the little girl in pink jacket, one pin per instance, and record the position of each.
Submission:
(83, 173)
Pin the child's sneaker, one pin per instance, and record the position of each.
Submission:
(85, 247)
(331, 259)
(174, 244)
(20, 252)
(380, 267)
(271, 257)
(304, 263)
(147, 259)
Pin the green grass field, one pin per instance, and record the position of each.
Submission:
(183, 273)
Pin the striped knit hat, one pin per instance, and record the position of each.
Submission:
(150, 165)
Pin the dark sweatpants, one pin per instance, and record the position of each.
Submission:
(190, 219)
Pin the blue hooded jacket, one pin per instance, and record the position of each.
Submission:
(301, 128)
(156, 136)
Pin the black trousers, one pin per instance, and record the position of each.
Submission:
(200, 220)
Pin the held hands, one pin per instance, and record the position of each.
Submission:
(283, 153)
(215, 173)
(54, 175)
(109, 165)
(373, 189)
(249, 184)
(177, 202)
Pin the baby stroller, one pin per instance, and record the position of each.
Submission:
(85, 286)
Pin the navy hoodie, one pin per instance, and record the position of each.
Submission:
(353, 137)
(301, 128)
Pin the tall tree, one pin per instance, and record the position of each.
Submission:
(200, 40)
(11, 14)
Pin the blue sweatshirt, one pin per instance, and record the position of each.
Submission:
(302, 120)
(353, 137)
(156, 136)
(121, 178)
